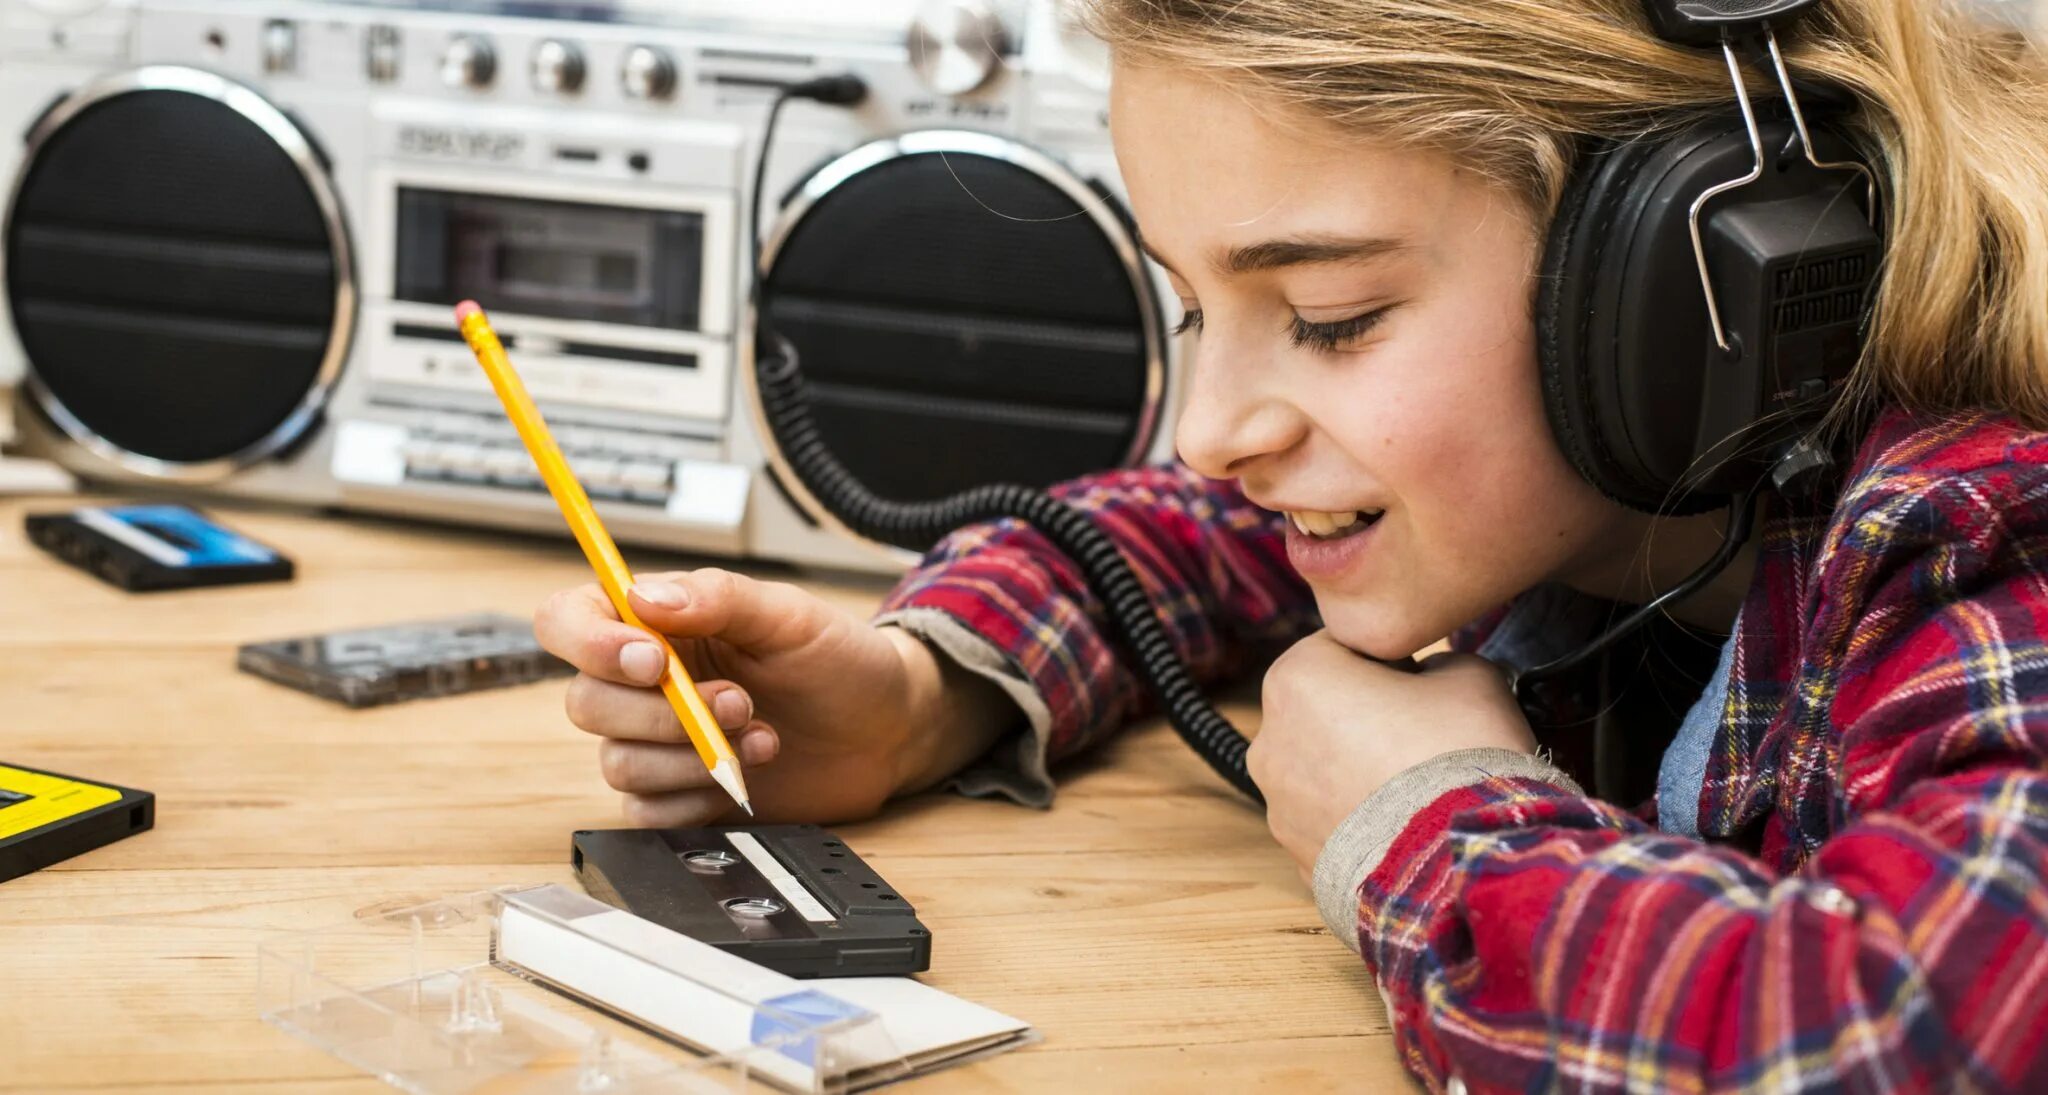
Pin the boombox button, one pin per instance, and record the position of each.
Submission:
(512, 466)
(463, 460)
(645, 480)
(599, 473)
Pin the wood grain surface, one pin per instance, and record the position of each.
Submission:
(1146, 924)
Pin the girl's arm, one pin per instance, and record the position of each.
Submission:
(1530, 939)
(1001, 602)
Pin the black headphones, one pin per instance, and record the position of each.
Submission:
(1704, 291)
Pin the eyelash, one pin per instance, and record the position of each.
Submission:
(1325, 337)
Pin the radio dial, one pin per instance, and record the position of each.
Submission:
(648, 73)
(557, 68)
(955, 45)
(469, 63)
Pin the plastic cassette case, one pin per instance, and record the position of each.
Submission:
(435, 1000)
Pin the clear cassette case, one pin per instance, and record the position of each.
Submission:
(499, 993)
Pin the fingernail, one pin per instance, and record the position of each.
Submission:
(733, 709)
(758, 747)
(642, 661)
(665, 594)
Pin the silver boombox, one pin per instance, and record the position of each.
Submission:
(235, 230)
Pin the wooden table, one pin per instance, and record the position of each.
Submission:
(1147, 924)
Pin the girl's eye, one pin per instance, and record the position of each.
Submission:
(1190, 320)
(1336, 334)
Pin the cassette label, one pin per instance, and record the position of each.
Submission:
(32, 800)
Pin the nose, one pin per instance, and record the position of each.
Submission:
(1233, 415)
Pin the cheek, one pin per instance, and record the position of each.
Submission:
(1488, 505)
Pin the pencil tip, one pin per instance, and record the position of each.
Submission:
(727, 775)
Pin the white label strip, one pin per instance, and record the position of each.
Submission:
(771, 869)
(100, 520)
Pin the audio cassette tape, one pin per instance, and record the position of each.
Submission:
(408, 661)
(793, 898)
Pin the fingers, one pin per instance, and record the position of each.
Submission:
(760, 617)
(615, 710)
(654, 768)
(678, 810)
(579, 626)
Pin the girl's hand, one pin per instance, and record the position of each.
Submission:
(1338, 725)
(829, 715)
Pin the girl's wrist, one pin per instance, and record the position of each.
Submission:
(953, 715)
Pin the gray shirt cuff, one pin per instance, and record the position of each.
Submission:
(1362, 840)
(1015, 767)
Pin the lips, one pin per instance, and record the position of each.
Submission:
(1329, 546)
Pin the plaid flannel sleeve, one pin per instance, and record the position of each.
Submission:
(1003, 602)
(1529, 939)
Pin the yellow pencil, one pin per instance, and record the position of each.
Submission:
(712, 748)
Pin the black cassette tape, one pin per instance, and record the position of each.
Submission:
(406, 661)
(793, 898)
(147, 548)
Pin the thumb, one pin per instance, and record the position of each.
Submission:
(760, 617)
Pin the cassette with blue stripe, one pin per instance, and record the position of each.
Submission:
(145, 548)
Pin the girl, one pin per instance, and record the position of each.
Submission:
(1830, 879)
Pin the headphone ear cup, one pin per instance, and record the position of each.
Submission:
(1561, 308)
(1579, 311)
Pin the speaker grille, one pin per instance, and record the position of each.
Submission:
(962, 320)
(173, 275)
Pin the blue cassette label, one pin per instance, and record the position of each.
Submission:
(175, 536)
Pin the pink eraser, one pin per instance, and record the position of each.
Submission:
(467, 309)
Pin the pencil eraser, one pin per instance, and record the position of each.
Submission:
(466, 309)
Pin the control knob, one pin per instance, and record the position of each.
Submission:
(955, 45)
(648, 73)
(469, 63)
(557, 68)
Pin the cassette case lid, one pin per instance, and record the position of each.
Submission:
(426, 999)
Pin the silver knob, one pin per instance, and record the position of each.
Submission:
(557, 68)
(648, 73)
(280, 46)
(382, 49)
(469, 62)
(955, 45)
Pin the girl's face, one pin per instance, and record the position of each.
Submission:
(1366, 361)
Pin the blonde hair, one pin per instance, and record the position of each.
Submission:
(1954, 111)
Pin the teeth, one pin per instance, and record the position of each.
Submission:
(1321, 524)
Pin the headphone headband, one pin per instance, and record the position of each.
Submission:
(1707, 23)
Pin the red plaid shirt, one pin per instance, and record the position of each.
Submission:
(1866, 911)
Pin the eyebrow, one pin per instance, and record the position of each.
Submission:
(1298, 251)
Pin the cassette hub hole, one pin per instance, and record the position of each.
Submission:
(709, 861)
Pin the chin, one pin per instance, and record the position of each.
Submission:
(1378, 629)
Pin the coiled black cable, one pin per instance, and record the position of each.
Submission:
(918, 526)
